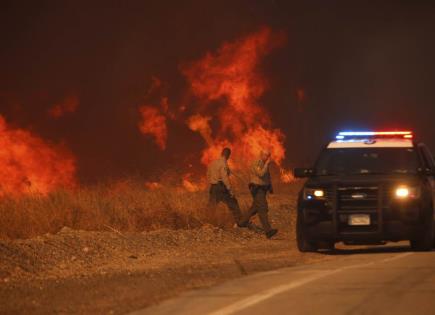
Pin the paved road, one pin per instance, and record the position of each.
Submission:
(389, 280)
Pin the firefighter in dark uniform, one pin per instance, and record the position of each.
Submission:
(218, 174)
(260, 184)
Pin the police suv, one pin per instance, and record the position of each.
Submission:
(368, 188)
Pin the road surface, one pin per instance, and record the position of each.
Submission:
(388, 280)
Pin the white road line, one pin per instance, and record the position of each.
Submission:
(257, 298)
(397, 257)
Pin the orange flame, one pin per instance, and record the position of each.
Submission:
(286, 176)
(201, 124)
(190, 185)
(228, 86)
(154, 123)
(31, 165)
(153, 185)
(67, 106)
(231, 80)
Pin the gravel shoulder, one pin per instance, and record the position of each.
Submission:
(85, 272)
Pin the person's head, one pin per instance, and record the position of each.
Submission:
(226, 152)
(264, 155)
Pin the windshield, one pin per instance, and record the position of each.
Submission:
(367, 161)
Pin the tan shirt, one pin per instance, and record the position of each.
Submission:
(218, 171)
(260, 174)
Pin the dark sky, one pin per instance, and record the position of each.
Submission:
(362, 64)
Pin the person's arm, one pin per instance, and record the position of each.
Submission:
(261, 171)
(225, 178)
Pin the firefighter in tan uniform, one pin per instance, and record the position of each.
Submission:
(218, 174)
(260, 184)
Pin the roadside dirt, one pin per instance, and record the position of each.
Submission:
(82, 272)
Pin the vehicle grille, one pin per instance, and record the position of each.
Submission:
(358, 200)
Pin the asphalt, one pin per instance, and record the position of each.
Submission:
(379, 280)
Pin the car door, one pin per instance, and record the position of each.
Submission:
(430, 166)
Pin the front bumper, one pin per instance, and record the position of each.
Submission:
(392, 231)
(390, 220)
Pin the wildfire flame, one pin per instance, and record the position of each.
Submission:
(201, 124)
(154, 123)
(153, 185)
(286, 176)
(31, 165)
(191, 186)
(228, 85)
(67, 106)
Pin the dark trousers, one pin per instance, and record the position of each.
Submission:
(259, 206)
(219, 193)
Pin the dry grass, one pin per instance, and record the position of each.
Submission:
(124, 206)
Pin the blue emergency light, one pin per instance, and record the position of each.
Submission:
(365, 134)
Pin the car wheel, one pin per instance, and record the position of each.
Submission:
(425, 241)
(303, 243)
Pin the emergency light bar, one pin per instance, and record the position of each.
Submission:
(358, 134)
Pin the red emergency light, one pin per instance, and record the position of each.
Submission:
(357, 134)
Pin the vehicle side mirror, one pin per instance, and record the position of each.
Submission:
(303, 172)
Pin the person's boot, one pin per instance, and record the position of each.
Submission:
(271, 233)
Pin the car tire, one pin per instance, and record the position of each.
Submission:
(425, 241)
(303, 243)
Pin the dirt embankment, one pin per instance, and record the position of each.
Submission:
(117, 272)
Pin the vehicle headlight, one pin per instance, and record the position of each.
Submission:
(405, 192)
(314, 194)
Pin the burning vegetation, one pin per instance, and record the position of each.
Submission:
(226, 86)
(154, 123)
(31, 165)
(222, 105)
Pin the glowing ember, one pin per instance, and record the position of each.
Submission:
(153, 185)
(67, 106)
(154, 123)
(31, 165)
